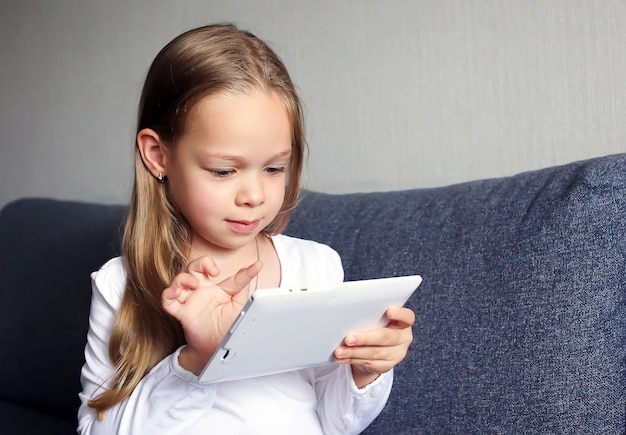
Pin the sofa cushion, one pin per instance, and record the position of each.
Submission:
(16, 419)
(48, 249)
(521, 318)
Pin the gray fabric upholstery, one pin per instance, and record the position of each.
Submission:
(521, 319)
(48, 249)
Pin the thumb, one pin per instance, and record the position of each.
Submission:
(241, 279)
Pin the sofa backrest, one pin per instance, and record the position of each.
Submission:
(48, 248)
(521, 318)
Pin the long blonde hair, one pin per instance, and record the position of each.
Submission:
(204, 61)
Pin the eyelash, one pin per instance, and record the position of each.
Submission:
(276, 169)
(223, 173)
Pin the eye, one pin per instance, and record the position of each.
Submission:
(221, 173)
(275, 170)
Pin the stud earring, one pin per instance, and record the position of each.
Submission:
(161, 178)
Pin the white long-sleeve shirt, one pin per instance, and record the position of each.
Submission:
(171, 400)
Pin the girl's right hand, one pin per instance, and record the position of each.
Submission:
(204, 308)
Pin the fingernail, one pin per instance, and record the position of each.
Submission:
(350, 340)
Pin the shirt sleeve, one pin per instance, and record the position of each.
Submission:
(342, 407)
(167, 400)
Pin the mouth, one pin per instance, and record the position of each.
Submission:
(243, 226)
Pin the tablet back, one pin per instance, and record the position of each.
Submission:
(285, 329)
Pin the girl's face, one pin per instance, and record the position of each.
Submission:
(227, 173)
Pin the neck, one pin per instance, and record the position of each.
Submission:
(229, 261)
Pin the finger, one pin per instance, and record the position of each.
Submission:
(400, 317)
(376, 337)
(241, 279)
(204, 265)
(176, 291)
(356, 355)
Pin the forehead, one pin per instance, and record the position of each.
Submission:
(258, 112)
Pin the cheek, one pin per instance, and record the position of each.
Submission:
(200, 209)
(278, 192)
(191, 195)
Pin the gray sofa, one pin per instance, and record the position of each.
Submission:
(521, 319)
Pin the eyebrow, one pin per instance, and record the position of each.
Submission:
(282, 154)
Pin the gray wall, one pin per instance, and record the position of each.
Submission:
(399, 93)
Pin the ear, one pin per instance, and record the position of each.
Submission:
(152, 152)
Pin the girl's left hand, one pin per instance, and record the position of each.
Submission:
(378, 350)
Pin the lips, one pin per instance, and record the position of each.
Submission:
(243, 226)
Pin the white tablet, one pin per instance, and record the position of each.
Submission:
(286, 329)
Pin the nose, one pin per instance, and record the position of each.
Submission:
(251, 191)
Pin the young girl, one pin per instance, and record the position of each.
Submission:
(219, 152)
